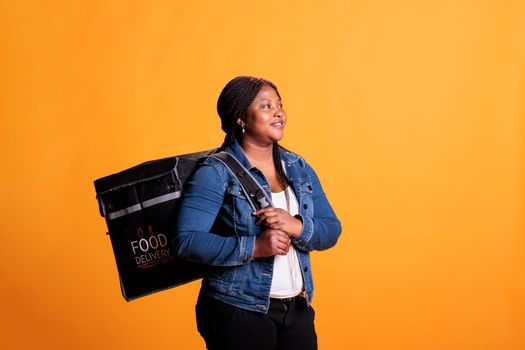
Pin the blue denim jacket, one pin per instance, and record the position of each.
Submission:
(215, 226)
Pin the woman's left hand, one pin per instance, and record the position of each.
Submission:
(279, 219)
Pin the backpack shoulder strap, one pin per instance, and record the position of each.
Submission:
(256, 195)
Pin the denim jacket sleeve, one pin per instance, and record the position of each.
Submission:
(320, 231)
(192, 240)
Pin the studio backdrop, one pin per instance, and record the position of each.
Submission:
(411, 112)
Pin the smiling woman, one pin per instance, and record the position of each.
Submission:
(259, 292)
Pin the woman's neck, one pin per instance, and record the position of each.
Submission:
(257, 154)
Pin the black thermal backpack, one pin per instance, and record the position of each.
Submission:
(139, 206)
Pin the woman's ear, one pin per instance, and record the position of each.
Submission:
(240, 121)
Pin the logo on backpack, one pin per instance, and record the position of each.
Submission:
(150, 249)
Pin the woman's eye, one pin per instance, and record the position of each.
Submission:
(266, 106)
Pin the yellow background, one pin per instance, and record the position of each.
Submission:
(411, 112)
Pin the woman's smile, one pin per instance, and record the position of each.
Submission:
(279, 124)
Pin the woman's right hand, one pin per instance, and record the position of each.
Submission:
(270, 243)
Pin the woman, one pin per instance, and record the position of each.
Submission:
(258, 292)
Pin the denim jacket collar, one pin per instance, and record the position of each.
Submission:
(236, 150)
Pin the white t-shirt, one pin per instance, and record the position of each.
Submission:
(287, 280)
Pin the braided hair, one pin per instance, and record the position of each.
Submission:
(234, 100)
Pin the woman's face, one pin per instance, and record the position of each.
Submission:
(265, 118)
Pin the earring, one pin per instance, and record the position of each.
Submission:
(243, 129)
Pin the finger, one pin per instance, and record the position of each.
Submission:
(273, 212)
(283, 233)
(268, 215)
(276, 226)
(282, 249)
(279, 236)
(272, 220)
(263, 210)
(261, 219)
(283, 239)
(270, 212)
(279, 233)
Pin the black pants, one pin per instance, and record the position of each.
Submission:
(287, 325)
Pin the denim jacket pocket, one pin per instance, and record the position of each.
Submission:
(239, 208)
